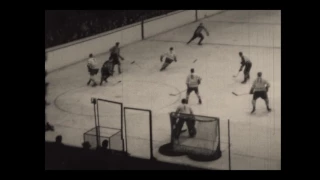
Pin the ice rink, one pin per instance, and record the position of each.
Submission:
(255, 138)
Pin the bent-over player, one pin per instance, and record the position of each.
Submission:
(193, 81)
(93, 69)
(106, 71)
(169, 58)
(115, 55)
(246, 63)
(190, 121)
(259, 89)
(197, 34)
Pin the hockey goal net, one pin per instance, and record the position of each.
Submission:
(196, 136)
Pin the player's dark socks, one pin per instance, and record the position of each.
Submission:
(200, 102)
(243, 82)
(268, 109)
(193, 132)
(88, 82)
(95, 84)
(253, 110)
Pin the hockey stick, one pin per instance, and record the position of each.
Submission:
(117, 83)
(240, 94)
(236, 75)
(177, 93)
(133, 62)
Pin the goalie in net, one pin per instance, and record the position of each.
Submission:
(202, 142)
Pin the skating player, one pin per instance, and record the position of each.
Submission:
(246, 63)
(106, 70)
(185, 109)
(169, 58)
(197, 34)
(115, 55)
(259, 89)
(93, 69)
(193, 81)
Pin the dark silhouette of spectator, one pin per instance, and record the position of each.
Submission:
(103, 150)
(86, 145)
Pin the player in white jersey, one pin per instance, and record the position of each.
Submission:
(169, 58)
(193, 81)
(259, 89)
(93, 69)
(184, 109)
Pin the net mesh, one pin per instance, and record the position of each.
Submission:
(112, 135)
(196, 136)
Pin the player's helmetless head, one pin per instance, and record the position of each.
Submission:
(192, 70)
(184, 101)
(90, 55)
(259, 74)
(117, 44)
(171, 49)
(240, 54)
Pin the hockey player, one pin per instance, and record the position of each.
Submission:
(115, 55)
(106, 70)
(197, 33)
(184, 109)
(93, 70)
(259, 89)
(193, 81)
(169, 58)
(246, 63)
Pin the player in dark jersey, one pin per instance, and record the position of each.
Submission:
(197, 34)
(106, 71)
(246, 63)
(115, 55)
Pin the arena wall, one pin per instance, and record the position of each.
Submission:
(74, 52)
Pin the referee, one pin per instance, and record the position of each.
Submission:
(259, 89)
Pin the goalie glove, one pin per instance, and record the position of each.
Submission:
(251, 91)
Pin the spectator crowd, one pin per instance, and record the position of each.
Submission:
(63, 26)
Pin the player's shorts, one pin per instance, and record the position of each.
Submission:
(260, 94)
(93, 71)
(247, 68)
(197, 35)
(190, 89)
(168, 60)
(115, 58)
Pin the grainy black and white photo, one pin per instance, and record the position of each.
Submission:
(163, 89)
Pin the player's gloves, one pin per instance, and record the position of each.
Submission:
(267, 89)
(199, 81)
(251, 91)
